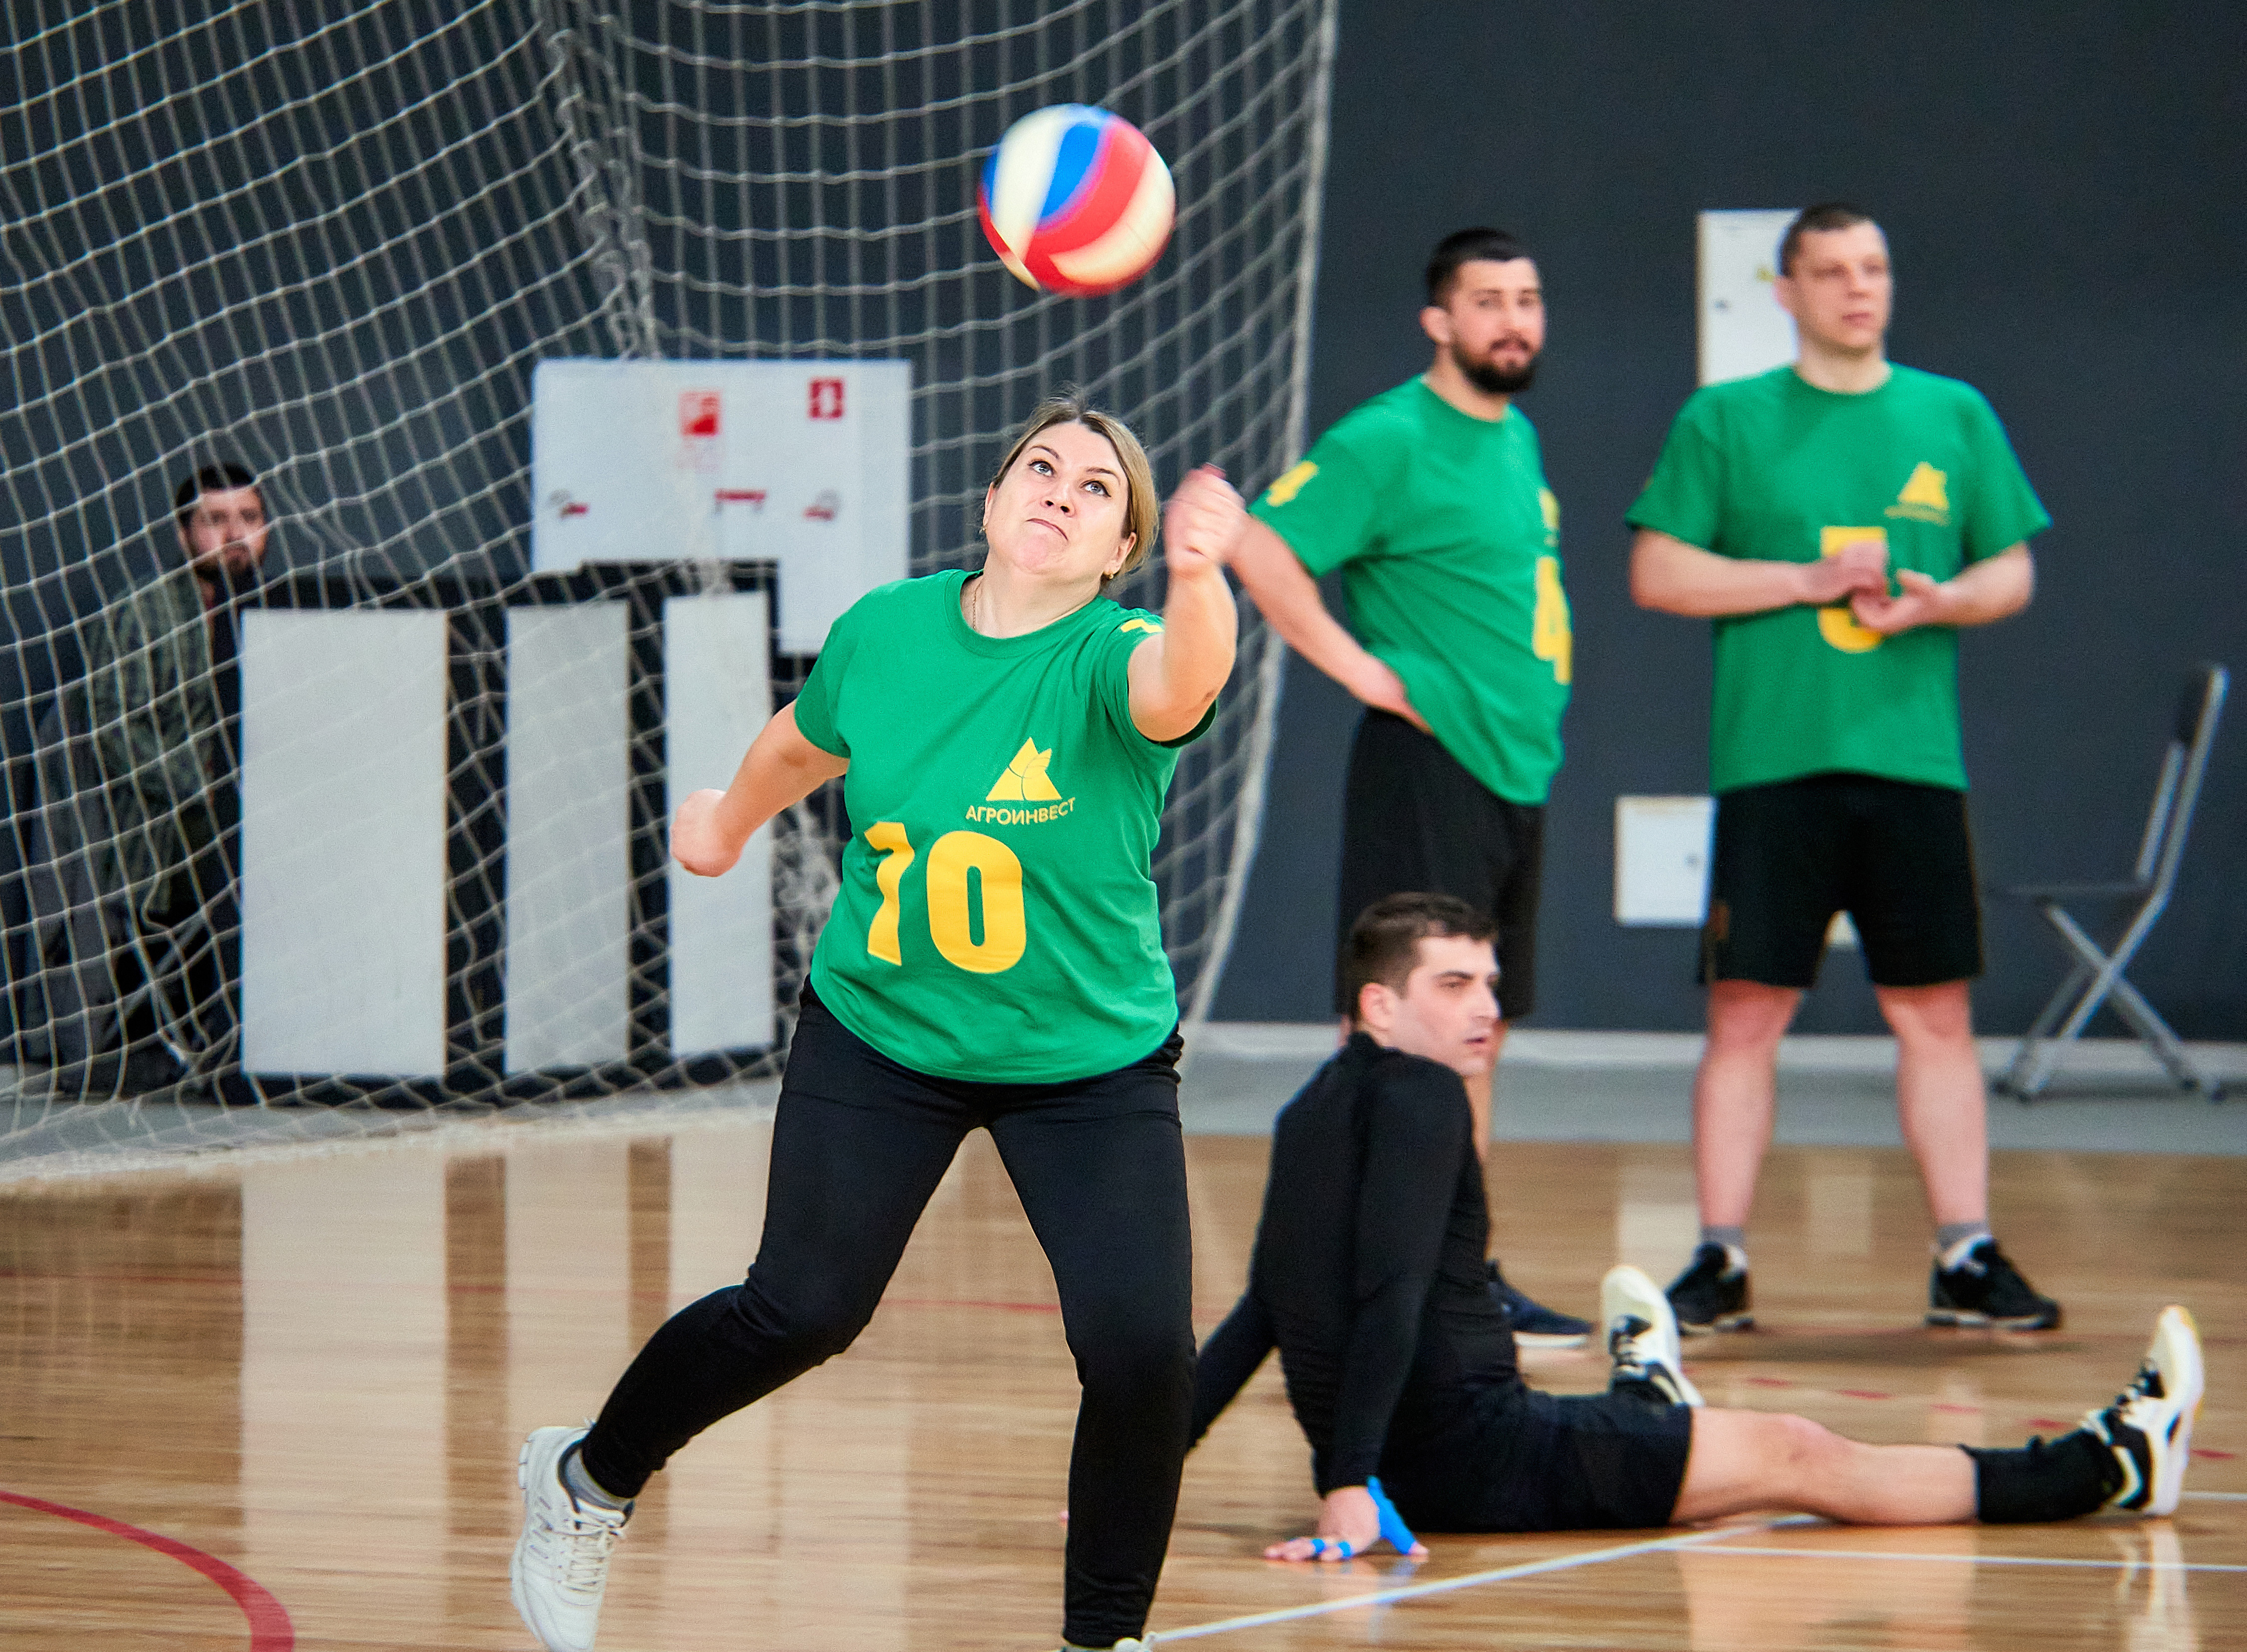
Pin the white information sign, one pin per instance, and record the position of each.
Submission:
(806, 463)
(1662, 860)
(1743, 329)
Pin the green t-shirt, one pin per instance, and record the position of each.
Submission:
(996, 920)
(1773, 469)
(1449, 546)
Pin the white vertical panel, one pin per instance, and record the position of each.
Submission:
(569, 851)
(1743, 329)
(717, 696)
(342, 843)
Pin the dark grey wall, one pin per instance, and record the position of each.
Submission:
(2061, 185)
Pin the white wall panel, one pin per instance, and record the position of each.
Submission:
(569, 851)
(342, 843)
(718, 695)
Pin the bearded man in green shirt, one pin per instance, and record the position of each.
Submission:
(1431, 499)
(1781, 507)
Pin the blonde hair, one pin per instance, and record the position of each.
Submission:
(1142, 513)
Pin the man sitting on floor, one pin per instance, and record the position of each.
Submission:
(1368, 1277)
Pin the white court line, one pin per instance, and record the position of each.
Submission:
(1989, 1560)
(2219, 1497)
(1473, 1579)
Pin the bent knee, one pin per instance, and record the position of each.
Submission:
(814, 1321)
(1136, 1357)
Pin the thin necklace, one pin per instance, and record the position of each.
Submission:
(974, 603)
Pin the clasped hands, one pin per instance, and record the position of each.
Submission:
(1858, 574)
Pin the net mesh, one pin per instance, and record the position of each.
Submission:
(331, 243)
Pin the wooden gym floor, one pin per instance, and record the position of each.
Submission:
(277, 1405)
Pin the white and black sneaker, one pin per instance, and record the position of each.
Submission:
(1643, 1339)
(1977, 1284)
(560, 1566)
(2150, 1426)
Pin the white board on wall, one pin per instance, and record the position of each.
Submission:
(1662, 860)
(1742, 331)
(342, 843)
(717, 695)
(807, 464)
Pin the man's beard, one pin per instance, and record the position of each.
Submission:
(1492, 379)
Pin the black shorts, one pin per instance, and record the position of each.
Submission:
(1895, 855)
(1538, 1462)
(1414, 821)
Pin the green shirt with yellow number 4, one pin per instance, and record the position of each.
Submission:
(1770, 468)
(997, 920)
(1449, 542)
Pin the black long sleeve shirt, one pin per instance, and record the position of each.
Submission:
(1368, 1273)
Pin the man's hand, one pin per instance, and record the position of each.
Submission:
(697, 841)
(1383, 689)
(1203, 523)
(1349, 1524)
(1859, 568)
(1924, 602)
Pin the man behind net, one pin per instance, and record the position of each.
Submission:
(132, 848)
(1367, 1275)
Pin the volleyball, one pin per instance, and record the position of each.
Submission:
(1075, 199)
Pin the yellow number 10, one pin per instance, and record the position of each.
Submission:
(952, 903)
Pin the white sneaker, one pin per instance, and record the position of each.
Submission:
(2150, 1426)
(1642, 1335)
(561, 1563)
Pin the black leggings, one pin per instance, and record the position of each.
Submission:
(859, 1144)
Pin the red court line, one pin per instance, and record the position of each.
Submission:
(270, 1628)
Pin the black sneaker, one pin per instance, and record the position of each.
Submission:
(1532, 1323)
(1712, 1294)
(1985, 1288)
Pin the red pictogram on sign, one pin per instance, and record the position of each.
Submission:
(825, 507)
(741, 496)
(697, 413)
(826, 398)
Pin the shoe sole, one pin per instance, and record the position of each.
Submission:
(1966, 1319)
(1740, 1322)
(2176, 1355)
(515, 1561)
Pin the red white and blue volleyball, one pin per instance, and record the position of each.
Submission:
(1076, 201)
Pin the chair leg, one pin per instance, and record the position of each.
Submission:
(2130, 1004)
(2031, 1068)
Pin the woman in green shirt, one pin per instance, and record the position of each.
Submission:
(994, 959)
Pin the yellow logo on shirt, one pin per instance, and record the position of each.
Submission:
(1025, 779)
(1147, 626)
(1926, 497)
(1290, 484)
(1549, 502)
(1026, 783)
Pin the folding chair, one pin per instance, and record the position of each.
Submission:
(2096, 975)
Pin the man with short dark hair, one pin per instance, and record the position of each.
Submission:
(132, 884)
(1779, 507)
(1367, 1276)
(1430, 499)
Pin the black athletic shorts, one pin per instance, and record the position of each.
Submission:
(1538, 1462)
(1414, 821)
(1895, 855)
